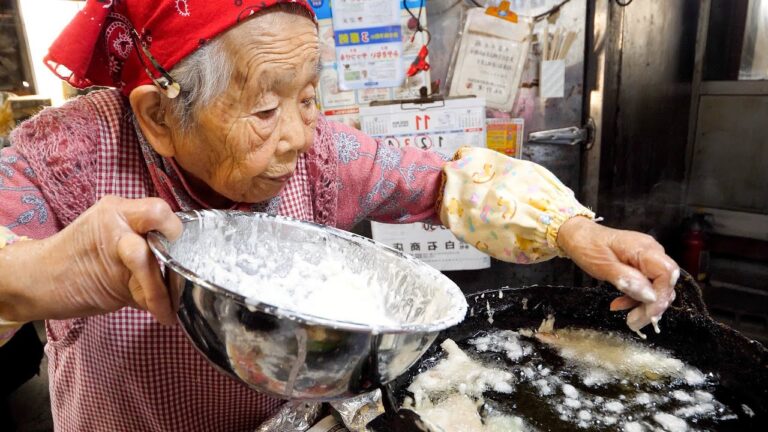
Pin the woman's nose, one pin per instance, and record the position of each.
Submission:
(292, 135)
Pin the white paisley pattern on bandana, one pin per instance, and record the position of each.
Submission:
(182, 7)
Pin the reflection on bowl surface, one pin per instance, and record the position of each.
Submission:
(303, 311)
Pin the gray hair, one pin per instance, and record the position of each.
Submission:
(203, 75)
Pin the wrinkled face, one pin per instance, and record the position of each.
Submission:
(245, 145)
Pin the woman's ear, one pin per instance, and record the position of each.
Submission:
(146, 104)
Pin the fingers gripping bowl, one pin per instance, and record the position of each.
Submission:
(302, 311)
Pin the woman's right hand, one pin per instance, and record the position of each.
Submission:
(98, 264)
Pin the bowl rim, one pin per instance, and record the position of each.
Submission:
(158, 245)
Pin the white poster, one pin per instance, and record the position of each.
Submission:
(343, 106)
(369, 45)
(444, 127)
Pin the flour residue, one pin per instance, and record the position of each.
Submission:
(325, 290)
(304, 269)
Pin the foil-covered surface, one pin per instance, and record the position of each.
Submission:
(358, 411)
(294, 416)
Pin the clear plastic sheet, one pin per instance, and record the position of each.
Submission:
(489, 58)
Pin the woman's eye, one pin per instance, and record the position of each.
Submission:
(266, 114)
(309, 102)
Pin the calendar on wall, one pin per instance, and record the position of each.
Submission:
(442, 126)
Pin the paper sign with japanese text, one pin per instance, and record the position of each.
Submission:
(343, 106)
(490, 59)
(369, 46)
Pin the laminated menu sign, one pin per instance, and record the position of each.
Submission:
(369, 46)
(490, 59)
(443, 127)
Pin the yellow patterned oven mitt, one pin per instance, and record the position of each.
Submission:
(508, 208)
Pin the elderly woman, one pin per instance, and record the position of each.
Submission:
(234, 124)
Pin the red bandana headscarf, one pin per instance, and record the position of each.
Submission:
(97, 47)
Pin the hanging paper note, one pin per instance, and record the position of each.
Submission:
(552, 80)
(490, 58)
(369, 45)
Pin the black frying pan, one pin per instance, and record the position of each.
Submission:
(687, 331)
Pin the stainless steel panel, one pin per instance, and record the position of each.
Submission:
(445, 17)
(702, 31)
(731, 154)
(734, 88)
(599, 16)
(737, 224)
(644, 146)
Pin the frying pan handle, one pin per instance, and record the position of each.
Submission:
(689, 294)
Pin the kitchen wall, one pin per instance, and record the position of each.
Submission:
(681, 130)
(641, 67)
(43, 21)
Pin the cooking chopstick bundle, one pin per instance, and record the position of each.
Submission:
(554, 52)
(560, 45)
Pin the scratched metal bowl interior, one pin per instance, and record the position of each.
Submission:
(282, 349)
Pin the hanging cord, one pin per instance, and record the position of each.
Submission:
(552, 11)
(419, 27)
(420, 64)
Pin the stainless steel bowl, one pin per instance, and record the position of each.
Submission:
(288, 353)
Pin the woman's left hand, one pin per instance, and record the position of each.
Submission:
(633, 262)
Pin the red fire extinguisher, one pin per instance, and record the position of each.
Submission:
(695, 259)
